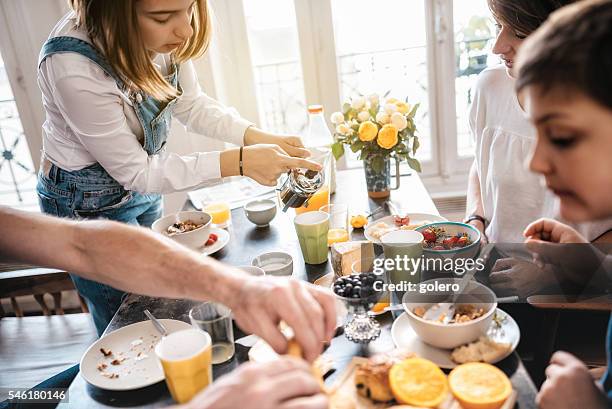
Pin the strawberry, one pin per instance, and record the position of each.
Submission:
(212, 239)
(462, 241)
(429, 235)
(450, 242)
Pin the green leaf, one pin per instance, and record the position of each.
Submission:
(413, 110)
(414, 164)
(415, 144)
(345, 108)
(337, 150)
(357, 146)
(378, 163)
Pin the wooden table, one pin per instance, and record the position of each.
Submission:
(246, 242)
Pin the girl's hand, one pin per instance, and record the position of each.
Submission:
(552, 231)
(265, 163)
(569, 385)
(292, 145)
(481, 228)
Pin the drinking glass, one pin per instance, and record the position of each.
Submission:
(216, 320)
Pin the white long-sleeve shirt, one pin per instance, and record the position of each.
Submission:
(89, 120)
(512, 195)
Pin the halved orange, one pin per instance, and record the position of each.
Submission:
(418, 382)
(478, 385)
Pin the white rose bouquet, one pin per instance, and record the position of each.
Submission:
(376, 130)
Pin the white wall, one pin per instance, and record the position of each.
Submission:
(24, 26)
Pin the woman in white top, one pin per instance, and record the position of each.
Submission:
(504, 196)
(112, 76)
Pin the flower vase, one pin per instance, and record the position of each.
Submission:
(378, 176)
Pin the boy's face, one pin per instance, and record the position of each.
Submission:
(165, 24)
(573, 150)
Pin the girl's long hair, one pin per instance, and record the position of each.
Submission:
(524, 16)
(113, 27)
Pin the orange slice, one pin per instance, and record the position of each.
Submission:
(418, 382)
(379, 306)
(478, 385)
(337, 236)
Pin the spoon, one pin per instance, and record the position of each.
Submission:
(158, 325)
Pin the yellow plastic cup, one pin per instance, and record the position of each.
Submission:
(186, 358)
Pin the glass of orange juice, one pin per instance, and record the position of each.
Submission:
(220, 213)
(317, 200)
(338, 223)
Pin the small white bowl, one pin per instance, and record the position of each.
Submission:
(448, 336)
(252, 270)
(275, 263)
(260, 212)
(194, 239)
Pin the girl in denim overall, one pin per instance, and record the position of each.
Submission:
(94, 70)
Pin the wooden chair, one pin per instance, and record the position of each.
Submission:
(34, 348)
(20, 280)
(553, 306)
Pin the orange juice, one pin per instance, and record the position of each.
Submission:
(319, 199)
(220, 212)
(337, 236)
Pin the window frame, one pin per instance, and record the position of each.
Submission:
(446, 170)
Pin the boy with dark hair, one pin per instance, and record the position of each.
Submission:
(564, 81)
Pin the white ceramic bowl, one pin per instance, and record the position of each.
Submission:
(260, 212)
(275, 263)
(452, 229)
(253, 270)
(448, 336)
(194, 239)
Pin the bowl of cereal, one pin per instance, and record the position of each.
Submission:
(474, 306)
(189, 228)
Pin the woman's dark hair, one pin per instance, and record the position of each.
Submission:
(524, 16)
(572, 50)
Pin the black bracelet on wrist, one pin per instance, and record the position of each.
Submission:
(240, 162)
(476, 217)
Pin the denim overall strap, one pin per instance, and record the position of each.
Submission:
(156, 116)
(65, 44)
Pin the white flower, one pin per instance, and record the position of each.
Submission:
(358, 103)
(382, 118)
(399, 121)
(342, 129)
(374, 99)
(337, 118)
(390, 108)
(363, 116)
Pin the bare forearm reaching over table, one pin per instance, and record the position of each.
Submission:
(138, 260)
(126, 257)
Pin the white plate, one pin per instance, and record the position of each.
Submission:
(404, 337)
(415, 218)
(223, 239)
(136, 371)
